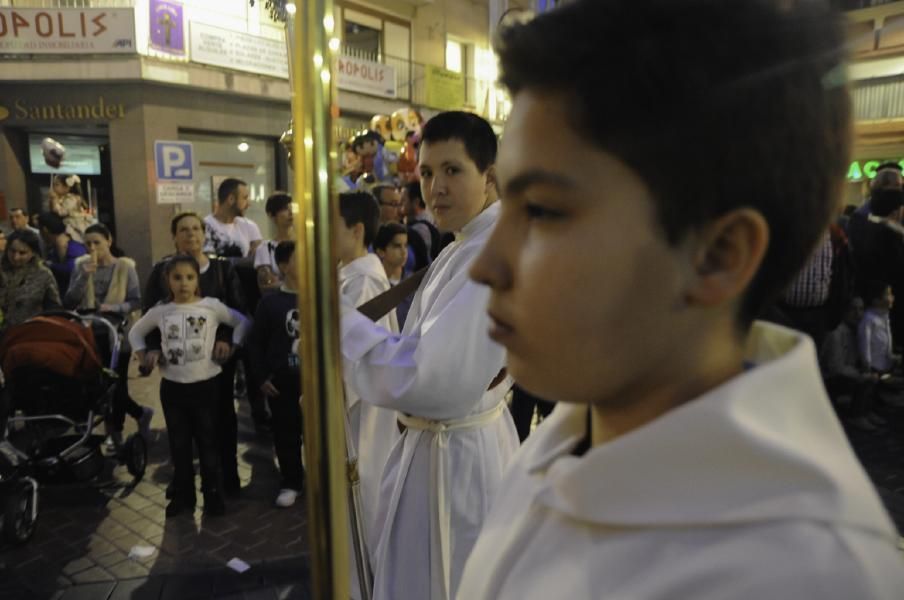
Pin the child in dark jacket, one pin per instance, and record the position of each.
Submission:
(273, 352)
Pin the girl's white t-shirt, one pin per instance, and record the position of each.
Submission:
(188, 333)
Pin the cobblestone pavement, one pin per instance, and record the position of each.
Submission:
(85, 532)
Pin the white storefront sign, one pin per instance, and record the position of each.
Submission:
(367, 77)
(171, 192)
(240, 51)
(67, 31)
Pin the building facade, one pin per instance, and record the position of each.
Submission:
(114, 79)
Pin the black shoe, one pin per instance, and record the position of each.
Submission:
(177, 506)
(232, 489)
(214, 505)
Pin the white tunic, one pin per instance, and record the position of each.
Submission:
(748, 492)
(439, 482)
(374, 430)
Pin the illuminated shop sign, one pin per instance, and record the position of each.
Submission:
(866, 169)
(67, 31)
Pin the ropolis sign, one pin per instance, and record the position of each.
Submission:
(67, 31)
(100, 110)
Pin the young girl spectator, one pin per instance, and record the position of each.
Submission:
(189, 388)
(66, 200)
(109, 284)
(27, 287)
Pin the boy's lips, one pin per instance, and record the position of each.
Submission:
(500, 330)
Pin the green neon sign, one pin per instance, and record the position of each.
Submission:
(860, 170)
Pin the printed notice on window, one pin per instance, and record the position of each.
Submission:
(240, 51)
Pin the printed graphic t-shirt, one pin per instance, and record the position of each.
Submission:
(232, 240)
(189, 334)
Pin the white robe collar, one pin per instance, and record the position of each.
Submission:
(368, 265)
(484, 220)
(764, 446)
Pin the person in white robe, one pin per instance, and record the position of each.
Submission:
(445, 378)
(373, 430)
(750, 491)
(693, 453)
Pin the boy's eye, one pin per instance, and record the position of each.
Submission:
(535, 212)
(425, 174)
(451, 170)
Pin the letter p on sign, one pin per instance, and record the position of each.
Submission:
(173, 160)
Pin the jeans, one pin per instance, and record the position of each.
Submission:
(287, 427)
(190, 410)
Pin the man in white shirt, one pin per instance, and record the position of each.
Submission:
(693, 453)
(229, 233)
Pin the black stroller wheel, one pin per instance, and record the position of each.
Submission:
(18, 522)
(136, 455)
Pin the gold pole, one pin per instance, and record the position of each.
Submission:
(311, 27)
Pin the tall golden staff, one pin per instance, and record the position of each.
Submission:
(312, 42)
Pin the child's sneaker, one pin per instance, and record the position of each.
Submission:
(286, 498)
(144, 422)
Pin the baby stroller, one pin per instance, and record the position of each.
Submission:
(56, 392)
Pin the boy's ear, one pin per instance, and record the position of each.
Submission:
(728, 253)
(491, 178)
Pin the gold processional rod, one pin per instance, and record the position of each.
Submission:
(312, 48)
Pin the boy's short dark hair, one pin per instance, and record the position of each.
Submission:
(228, 187)
(53, 223)
(890, 165)
(387, 233)
(283, 252)
(276, 202)
(474, 132)
(874, 290)
(360, 207)
(414, 193)
(703, 86)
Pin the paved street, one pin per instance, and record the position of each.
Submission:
(81, 548)
(85, 533)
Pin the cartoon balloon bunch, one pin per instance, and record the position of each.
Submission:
(386, 152)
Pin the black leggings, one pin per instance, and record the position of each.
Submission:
(190, 410)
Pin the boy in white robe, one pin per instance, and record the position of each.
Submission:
(374, 430)
(693, 453)
(444, 376)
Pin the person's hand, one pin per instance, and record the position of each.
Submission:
(89, 266)
(222, 351)
(148, 360)
(269, 389)
(106, 308)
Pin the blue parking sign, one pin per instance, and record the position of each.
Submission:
(173, 160)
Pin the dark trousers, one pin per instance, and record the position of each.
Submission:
(227, 424)
(522, 410)
(863, 393)
(190, 413)
(287, 428)
(123, 403)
